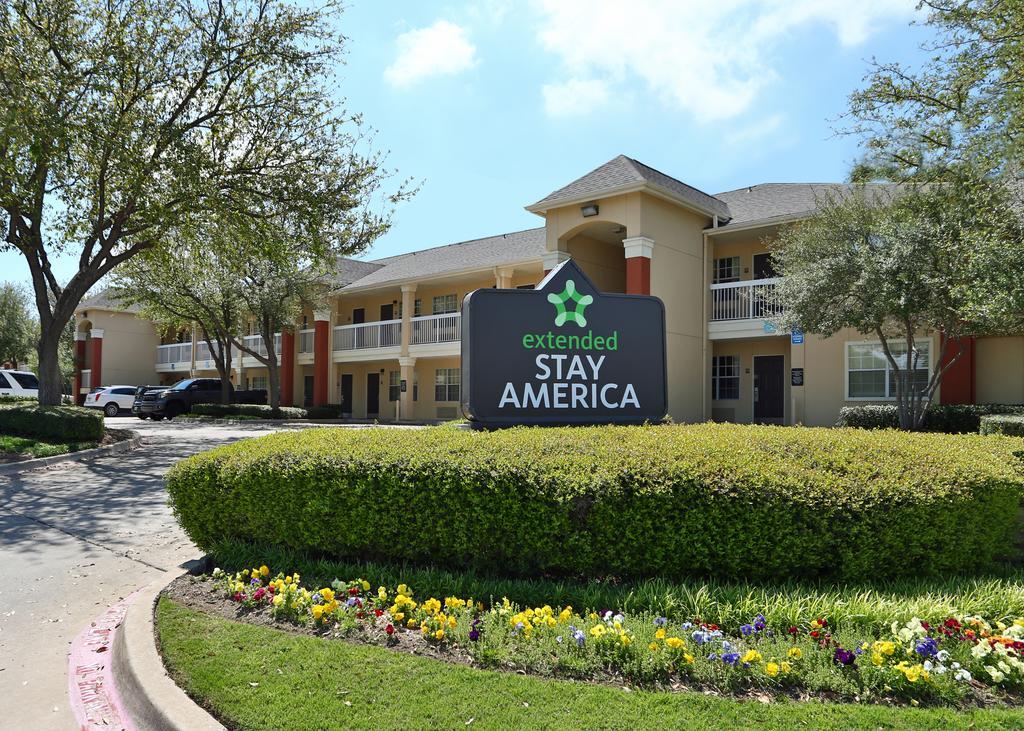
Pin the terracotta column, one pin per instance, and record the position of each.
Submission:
(97, 357)
(638, 251)
(287, 367)
(321, 356)
(958, 383)
(80, 337)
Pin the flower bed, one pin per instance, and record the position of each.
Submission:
(955, 660)
(707, 500)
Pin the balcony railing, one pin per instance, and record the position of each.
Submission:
(174, 353)
(306, 340)
(446, 328)
(384, 334)
(749, 300)
(255, 343)
(86, 380)
(203, 352)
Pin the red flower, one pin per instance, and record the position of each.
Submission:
(713, 628)
(378, 612)
(390, 629)
(793, 631)
(815, 633)
(359, 615)
(926, 626)
(353, 591)
(238, 596)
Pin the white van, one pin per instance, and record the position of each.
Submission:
(18, 383)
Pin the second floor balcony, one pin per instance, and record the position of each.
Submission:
(740, 309)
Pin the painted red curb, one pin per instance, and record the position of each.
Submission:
(94, 699)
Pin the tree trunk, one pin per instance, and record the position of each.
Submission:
(51, 385)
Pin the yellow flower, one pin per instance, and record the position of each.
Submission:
(565, 615)
(877, 659)
(404, 590)
(674, 642)
(625, 639)
(660, 634)
(264, 571)
(382, 593)
(451, 622)
(795, 653)
(786, 667)
(688, 657)
(366, 585)
(399, 616)
(327, 594)
(411, 623)
(278, 600)
(884, 647)
(597, 630)
(255, 572)
(439, 635)
(318, 611)
(653, 647)
(751, 656)
(771, 669)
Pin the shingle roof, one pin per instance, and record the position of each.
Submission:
(624, 172)
(466, 255)
(768, 201)
(104, 300)
(349, 270)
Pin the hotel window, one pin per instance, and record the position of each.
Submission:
(446, 384)
(725, 377)
(394, 385)
(444, 304)
(258, 383)
(726, 269)
(417, 308)
(869, 376)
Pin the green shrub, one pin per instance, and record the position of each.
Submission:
(1009, 424)
(713, 499)
(8, 399)
(944, 418)
(328, 411)
(261, 411)
(54, 423)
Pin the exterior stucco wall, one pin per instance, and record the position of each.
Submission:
(129, 348)
(999, 370)
(741, 410)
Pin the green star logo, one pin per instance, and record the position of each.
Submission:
(576, 301)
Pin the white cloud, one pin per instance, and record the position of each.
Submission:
(710, 59)
(575, 96)
(755, 131)
(440, 49)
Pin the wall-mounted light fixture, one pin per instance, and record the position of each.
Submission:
(589, 210)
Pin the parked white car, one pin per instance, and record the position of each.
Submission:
(18, 383)
(112, 399)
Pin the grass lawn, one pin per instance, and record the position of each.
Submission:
(259, 678)
(30, 447)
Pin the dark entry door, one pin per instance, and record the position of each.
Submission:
(387, 312)
(346, 394)
(372, 394)
(307, 390)
(358, 316)
(769, 388)
(763, 267)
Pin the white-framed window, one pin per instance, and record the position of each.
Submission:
(446, 384)
(417, 308)
(394, 385)
(445, 303)
(725, 377)
(726, 269)
(258, 383)
(869, 376)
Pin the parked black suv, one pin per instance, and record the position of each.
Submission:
(178, 399)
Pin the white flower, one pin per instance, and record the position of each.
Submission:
(962, 675)
(996, 675)
(927, 664)
(942, 655)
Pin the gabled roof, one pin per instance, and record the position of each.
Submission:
(624, 174)
(349, 270)
(770, 202)
(510, 248)
(105, 300)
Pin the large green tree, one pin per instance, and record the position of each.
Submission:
(120, 117)
(963, 105)
(899, 263)
(17, 325)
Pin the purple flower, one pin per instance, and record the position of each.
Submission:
(254, 581)
(759, 622)
(731, 658)
(746, 630)
(474, 635)
(660, 622)
(927, 647)
(712, 656)
(843, 657)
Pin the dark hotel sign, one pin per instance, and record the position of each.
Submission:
(562, 354)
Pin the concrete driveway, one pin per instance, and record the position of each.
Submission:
(73, 540)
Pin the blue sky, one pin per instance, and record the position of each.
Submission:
(491, 105)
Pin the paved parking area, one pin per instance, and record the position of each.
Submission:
(73, 540)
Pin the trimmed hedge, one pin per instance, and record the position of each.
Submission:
(8, 399)
(945, 418)
(54, 423)
(328, 411)
(717, 500)
(258, 410)
(1009, 424)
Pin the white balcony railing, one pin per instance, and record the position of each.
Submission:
(749, 300)
(445, 328)
(174, 353)
(255, 343)
(384, 334)
(203, 352)
(306, 340)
